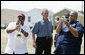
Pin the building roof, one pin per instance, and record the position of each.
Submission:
(6, 14)
(68, 10)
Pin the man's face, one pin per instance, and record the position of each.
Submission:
(45, 14)
(21, 19)
(72, 16)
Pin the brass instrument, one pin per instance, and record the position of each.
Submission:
(19, 31)
(58, 19)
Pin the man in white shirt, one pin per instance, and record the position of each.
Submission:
(18, 34)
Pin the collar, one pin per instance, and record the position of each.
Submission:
(44, 20)
(73, 22)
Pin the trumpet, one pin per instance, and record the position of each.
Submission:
(19, 30)
(20, 27)
(59, 19)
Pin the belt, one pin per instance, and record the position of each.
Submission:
(45, 37)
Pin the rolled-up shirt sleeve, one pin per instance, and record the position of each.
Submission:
(10, 26)
(27, 29)
(35, 29)
(80, 29)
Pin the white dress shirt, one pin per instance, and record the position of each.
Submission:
(16, 44)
